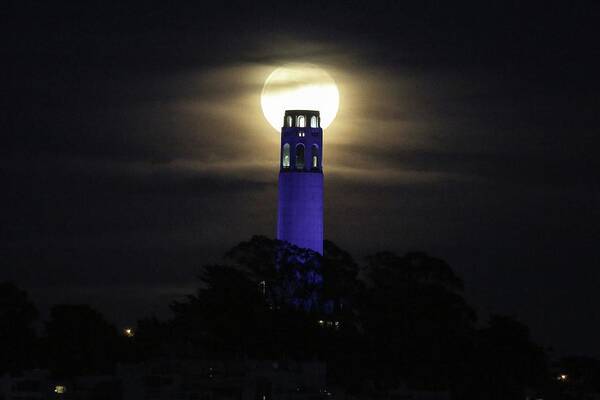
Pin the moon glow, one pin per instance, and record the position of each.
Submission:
(299, 87)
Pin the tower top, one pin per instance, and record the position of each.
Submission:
(307, 112)
(302, 118)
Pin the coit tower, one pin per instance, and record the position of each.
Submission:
(300, 214)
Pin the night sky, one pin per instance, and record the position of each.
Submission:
(134, 148)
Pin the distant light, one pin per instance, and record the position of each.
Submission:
(263, 284)
(128, 332)
(562, 377)
(321, 322)
(59, 389)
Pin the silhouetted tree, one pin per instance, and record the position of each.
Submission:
(342, 345)
(268, 302)
(153, 338)
(341, 286)
(504, 362)
(225, 315)
(401, 319)
(80, 341)
(417, 322)
(288, 275)
(17, 333)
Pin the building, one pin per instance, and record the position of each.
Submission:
(300, 213)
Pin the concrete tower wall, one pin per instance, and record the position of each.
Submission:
(300, 217)
(301, 209)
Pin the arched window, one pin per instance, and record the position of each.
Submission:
(315, 156)
(288, 121)
(313, 122)
(301, 121)
(299, 156)
(286, 156)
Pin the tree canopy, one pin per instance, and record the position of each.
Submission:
(17, 333)
(391, 321)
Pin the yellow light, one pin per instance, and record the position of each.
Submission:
(128, 332)
(562, 377)
(299, 87)
(59, 389)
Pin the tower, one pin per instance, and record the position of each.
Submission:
(300, 215)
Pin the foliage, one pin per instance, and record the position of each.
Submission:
(399, 320)
(288, 275)
(17, 334)
(79, 341)
(504, 362)
(416, 319)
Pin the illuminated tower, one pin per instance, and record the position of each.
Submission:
(300, 217)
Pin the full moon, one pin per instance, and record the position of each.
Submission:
(299, 87)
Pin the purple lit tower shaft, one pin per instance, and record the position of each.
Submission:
(300, 216)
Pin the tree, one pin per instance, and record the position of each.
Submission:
(400, 319)
(289, 276)
(267, 301)
(226, 315)
(341, 287)
(504, 361)
(417, 322)
(80, 341)
(17, 334)
(153, 338)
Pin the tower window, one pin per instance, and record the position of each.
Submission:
(300, 156)
(301, 121)
(288, 121)
(286, 156)
(313, 122)
(301, 134)
(315, 156)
